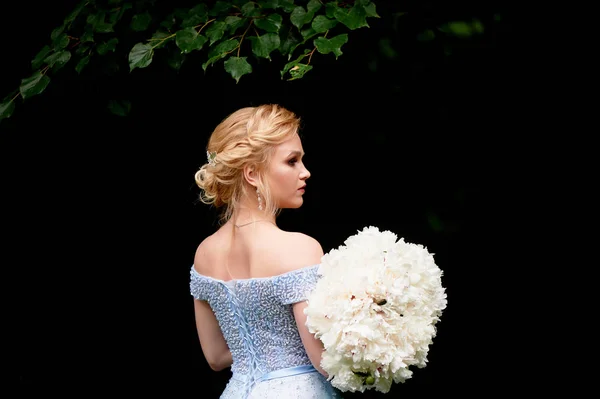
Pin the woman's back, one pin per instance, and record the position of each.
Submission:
(269, 271)
(255, 250)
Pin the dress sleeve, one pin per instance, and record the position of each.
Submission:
(296, 285)
(199, 287)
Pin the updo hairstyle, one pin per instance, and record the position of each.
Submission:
(245, 137)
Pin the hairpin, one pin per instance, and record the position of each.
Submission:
(211, 157)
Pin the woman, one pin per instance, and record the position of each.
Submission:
(250, 279)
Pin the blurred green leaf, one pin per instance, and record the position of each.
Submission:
(119, 107)
(40, 57)
(6, 109)
(57, 60)
(140, 22)
(82, 63)
(33, 85)
(105, 47)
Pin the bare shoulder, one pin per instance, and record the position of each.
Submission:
(300, 250)
(204, 253)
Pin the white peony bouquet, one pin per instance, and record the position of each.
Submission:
(375, 307)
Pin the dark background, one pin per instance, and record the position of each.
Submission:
(103, 220)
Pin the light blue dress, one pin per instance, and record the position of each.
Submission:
(257, 320)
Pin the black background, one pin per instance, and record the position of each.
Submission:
(103, 219)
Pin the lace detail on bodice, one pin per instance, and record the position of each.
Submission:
(257, 319)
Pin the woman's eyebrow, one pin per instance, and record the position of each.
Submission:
(296, 152)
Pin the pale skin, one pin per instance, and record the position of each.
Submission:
(259, 249)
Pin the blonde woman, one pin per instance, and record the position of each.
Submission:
(250, 279)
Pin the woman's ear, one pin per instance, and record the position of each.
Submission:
(250, 175)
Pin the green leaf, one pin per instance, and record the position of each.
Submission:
(140, 22)
(6, 109)
(82, 63)
(224, 47)
(298, 17)
(40, 56)
(287, 5)
(313, 6)
(292, 64)
(330, 9)
(95, 19)
(268, 4)
(33, 85)
(87, 36)
(322, 24)
(60, 42)
(188, 40)
(333, 45)
(73, 14)
(299, 70)
(371, 11)
(59, 59)
(250, 10)
(105, 47)
(82, 48)
(196, 16)
(140, 56)
(159, 39)
(308, 33)
(271, 23)
(216, 31)
(220, 7)
(220, 51)
(104, 27)
(237, 67)
(262, 46)
(56, 32)
(234, 23)
(97, 22)
(353, 19)
(119, 107)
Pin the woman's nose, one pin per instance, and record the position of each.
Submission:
(305, 174)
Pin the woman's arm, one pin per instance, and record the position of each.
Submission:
(213, 344)
(308, 251)
(312, 345)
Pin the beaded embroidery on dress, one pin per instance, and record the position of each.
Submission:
(257, 320)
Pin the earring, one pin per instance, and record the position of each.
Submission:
(259, 200)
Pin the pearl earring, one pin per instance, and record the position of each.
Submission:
(259, 200)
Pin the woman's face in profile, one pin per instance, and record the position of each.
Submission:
(287, 174)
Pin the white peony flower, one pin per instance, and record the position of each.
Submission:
(374, 309)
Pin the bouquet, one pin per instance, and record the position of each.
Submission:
(374, 308)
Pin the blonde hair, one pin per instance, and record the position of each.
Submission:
(245, 137)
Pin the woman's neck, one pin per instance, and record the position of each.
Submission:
(246, 216)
